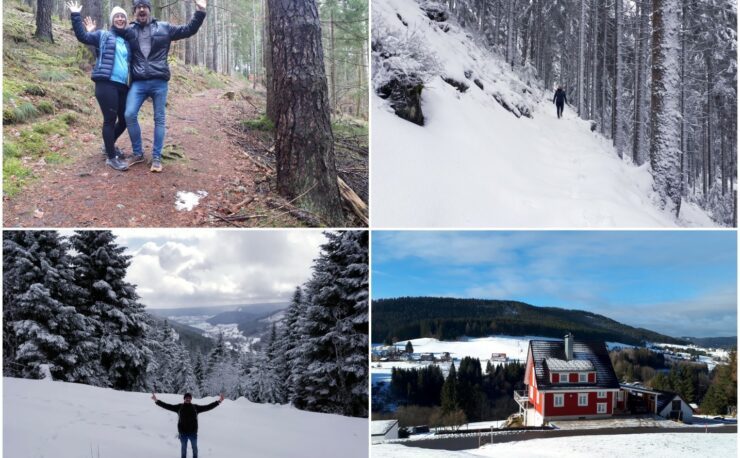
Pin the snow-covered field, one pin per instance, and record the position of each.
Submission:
(474, 164)
(65, 420)
(674, 445)
(481, 348)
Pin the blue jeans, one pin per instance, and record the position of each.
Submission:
(193, 443)
(137, 94)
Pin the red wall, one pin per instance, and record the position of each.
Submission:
(571, 406)
(591, 377)
(573, 377)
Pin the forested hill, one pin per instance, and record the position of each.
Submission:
(447, 318)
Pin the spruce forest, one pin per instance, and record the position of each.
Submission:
(657, 77)
(68, 313)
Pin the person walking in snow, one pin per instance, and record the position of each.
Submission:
(187, 420)
(559, 100)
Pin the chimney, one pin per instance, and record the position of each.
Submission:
(568, 346)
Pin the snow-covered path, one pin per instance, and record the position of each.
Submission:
(66, 420)
(474, 164)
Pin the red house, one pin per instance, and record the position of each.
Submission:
(567, 380)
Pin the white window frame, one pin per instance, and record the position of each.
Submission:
(582, 396)
(566, 379)
(601, 394)
(601, 407)
(582, 378)
(620, 396)
(560, 398)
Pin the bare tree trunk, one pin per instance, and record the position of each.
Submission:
(638, 85)
(43, 20)
(603, 71)
(304, 143)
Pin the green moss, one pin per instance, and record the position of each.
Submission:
(32, 143)
(347, 127)
(55, 158)
(262, 123)
(45, 107)
(173, 153)
(56, 126)
(10, 150)
(15, 175)
(69, 119)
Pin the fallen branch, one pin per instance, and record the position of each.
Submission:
(356, 204)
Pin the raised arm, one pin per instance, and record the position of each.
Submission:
(164, 405)
(82, 35)
(210, 406)
(191, 28)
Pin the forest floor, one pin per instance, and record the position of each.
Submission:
(218, 160)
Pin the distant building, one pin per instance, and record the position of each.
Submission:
(567, 380)
(427, 357)
(446, 357)
(498, 357)
(382, 430)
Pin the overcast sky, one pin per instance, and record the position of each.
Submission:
(189, 268)
(679, 283)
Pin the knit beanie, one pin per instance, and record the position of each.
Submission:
(146, 3)
(117, 10)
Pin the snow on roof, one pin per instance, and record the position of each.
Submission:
(555, 364)
(381, 427)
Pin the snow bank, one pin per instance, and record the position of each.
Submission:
(475, 164)
(67, 420)
(675, 445)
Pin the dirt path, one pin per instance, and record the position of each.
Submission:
(86, 193)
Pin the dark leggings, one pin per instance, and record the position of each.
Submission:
(112, 100)
(560, 109)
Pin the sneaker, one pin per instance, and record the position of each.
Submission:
(116, 164)
(119, 153)
(135, 159)
(156, 166)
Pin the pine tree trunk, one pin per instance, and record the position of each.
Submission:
(665, 122)
(582, 60)
(594, 57)
(619, 105)
(332, 62)
(304, 142)
(638, 86)
(43, 21)
(270, 109)
(603, 71)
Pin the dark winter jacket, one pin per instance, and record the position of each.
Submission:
(187, 415)
(105, 49)
(560, 98)
(155, 66)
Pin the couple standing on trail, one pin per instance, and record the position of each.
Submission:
(187, 420)
(135, 53)
(560, 100)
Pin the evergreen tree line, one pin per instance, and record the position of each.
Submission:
(408, 318)
(658, 77)
(466, 394)
(66, 306)
(715, 391)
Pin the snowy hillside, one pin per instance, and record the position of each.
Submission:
(494, 155)
(66, 420)
(675, 445)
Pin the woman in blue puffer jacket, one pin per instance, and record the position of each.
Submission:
(111, 76)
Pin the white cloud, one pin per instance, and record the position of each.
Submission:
(201, 267)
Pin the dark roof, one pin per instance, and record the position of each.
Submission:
(592, 351)
(663, 397)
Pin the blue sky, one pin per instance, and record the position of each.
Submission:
(680, 283)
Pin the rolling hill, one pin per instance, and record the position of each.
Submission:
(447, 319)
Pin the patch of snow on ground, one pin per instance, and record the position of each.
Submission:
(674, 445)
(474, 164)
(187, 201)
(68, 420)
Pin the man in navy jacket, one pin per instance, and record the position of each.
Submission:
(187, 420)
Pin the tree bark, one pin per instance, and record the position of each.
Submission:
(304, 143)
(43, 20)
(665, 122)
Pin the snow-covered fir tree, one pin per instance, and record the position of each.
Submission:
(41, 324)
(222, 374)
(291, 347)
(113, 307)
(170, 369)
(335, 328)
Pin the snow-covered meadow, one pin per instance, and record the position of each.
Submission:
(475, 164)
(674, 445)
(67, 420)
